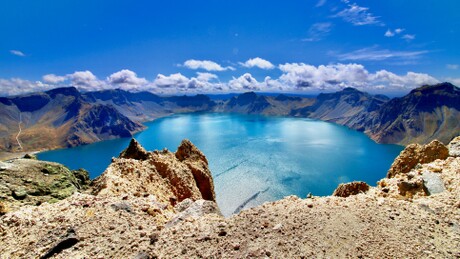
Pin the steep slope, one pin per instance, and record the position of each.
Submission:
(145, 106)
(426, 113)
(252, 103)
(58, 118)
(347, 107)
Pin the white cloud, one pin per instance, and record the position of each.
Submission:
(53, 79)
(390, 33)
(358, 15)
(86, 81)
(408, 37)
(375, 53)
(17, 53)
(452, 66)
(244, 83)
(300, 76)
(16, 86)
(408, 81)
(258, 62)
(205, 65)
(174, 80)
(318, 31)
(454, 81)
(126, 79)
(206, 76)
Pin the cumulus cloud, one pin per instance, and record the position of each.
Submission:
(17, 53)
(126, 79)
(86, 81)
(205, 65)
(377, 54)
(318, 31)
(258, 62)
(16, 86)
(358, 15)
(206, 76)
(174, 80)
(302, 76)
(245, 82)
(53, 79)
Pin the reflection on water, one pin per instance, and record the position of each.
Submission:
(254, 158)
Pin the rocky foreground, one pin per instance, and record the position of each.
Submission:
(162, 204)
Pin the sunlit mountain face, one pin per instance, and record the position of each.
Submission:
(183, 47)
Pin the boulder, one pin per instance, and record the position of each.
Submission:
(415, 154)
(33, 182)
(454, 147)
(347, 189)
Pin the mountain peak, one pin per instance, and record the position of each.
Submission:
(443, 87)
(69, 91)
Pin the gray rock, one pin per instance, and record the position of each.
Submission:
(433, 182)
(454, 147)
(196, 209)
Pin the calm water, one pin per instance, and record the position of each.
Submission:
(254, 158)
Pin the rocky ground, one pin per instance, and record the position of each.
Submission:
(150, 204)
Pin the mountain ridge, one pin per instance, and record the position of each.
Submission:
(63, 115)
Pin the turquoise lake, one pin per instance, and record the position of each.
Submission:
(254, 158)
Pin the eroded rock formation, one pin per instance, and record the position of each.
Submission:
(171, 177)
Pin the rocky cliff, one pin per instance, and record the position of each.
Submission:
(150, 205)
(58, 118)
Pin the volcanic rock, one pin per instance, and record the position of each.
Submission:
(417, 154)
(171, 177)
(347, 189)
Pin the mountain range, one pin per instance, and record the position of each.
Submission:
(65, 117)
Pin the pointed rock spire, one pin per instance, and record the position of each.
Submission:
(134, 151)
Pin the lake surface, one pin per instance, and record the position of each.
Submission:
(254, 158)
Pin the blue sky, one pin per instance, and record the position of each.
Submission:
(228, 46)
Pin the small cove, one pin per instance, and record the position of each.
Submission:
(254, 158)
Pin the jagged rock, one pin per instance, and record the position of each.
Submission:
(33, 182)
(198, 164)
(161, 173)
(415, 154)
(69, 240)
(82, 177)
(454, 147)
(134, 151)
(348, 189)
(188, 209)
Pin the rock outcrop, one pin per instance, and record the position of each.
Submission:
(171, 177)
(417, 154)
(347, 189)
(33, 182)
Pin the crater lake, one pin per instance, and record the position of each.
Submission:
(254, 158)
